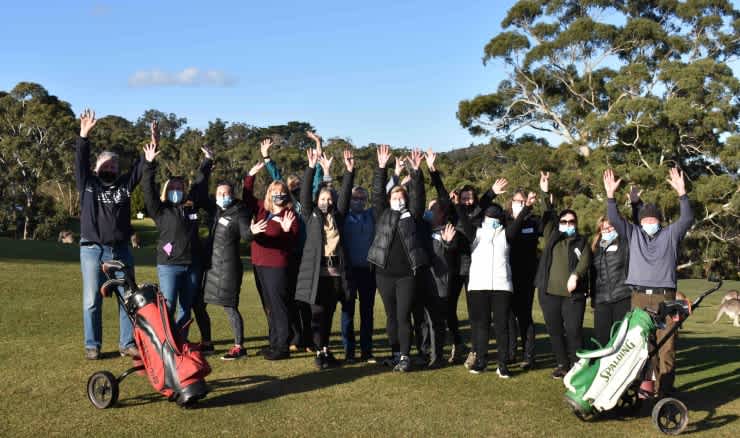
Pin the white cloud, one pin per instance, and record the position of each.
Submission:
(188, 77)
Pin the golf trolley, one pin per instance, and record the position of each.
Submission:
(620, 374)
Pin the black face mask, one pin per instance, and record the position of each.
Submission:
(279, 200)
(468, 208)
(107, 178)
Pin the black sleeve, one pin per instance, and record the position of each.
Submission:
(515, 226)
(417, 194)
(443, 196)
(636, 206)
(243, 218)
(152, 201)
(82, 162)
(345, 193)
(549, 217)
(464, 224)
(306, 192)
(137, 169)
(380, 199)
(486, 200)
(199, 188)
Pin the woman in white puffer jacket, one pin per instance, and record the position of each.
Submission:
(490, 284)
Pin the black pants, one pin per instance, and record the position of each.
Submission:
(328, 295)
(397, 294)
(201, 315)
(456, 283)
(298, 311)
(564, 321)
(429, 316)
(605, 315)
(521, 306)
(481, 304)
(274, 284)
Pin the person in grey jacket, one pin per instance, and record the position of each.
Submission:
(653, 258)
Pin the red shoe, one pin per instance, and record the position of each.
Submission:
(236, 352)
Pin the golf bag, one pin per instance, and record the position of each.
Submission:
(173, 367)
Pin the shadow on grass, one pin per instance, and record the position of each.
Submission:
(268, 387)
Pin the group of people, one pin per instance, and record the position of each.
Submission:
(317, 245)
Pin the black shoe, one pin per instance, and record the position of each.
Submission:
(392, 361)
(503, 372)
(349, 358)
(320, 361)
(277, 355)
(92, 353)
(403, 365)
(559, 372)
(368, 358)
(331, 361)
(206, 349)
(527, 364)
(478, 366)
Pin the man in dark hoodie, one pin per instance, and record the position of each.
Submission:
(105, 233)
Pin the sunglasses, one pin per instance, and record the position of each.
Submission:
(564, 222)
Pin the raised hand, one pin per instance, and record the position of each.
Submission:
(316, 139)
(258, 227)
(150, 152)
(349, 160)
(313, 157)
(398, 167)
(430, 156)
(406, 179)
(572, 283)
(87, 122)
(287, 220)
(531, 199)
(207, 151)
(154, 129)
(676, 181)
(448, 233)
(256, 168)
(325, 161)
(415, 158)
(499, 186)
(265, 147)
(610, 183)
(634, 194)
(384, 154)
(544, 181)
(454, 197)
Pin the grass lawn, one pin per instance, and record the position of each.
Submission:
(45, 374)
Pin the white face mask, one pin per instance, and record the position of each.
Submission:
(516, 208)
(398, 204)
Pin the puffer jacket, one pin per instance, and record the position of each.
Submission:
(609, 272)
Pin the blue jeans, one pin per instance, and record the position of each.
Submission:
(92, 302)
(178, 283)
(362, 285)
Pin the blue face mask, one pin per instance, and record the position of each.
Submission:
(651, 229)
(175, 196)
(568, 230)
(608, 237)
(492, 222)
(428, 216)
(224, 202)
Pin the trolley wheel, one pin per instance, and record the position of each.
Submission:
(102, 389)
(670, 416)
(629, 401)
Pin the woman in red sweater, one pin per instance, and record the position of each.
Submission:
(273, 236)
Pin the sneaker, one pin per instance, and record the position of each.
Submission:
(368, 358)
(129, 351)
(392, 361)
(503, 372)
(559, 372)
(403, 365)
(331, 361)
(236, 352)
(478, 366)
(320, 361)
(470, 361)
(527, 364)
(206, 349)
(277, 355)
(92, 353)
(293, 348)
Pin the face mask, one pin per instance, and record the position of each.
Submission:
(516, 208)
(651, 229)
(174, 196)
(569, 230)
(224, 202)
(356, 205)
(107, 178)
(428, 216)
(279, 199)
(468, 208)
(608, 237)
(325, 207)
(398, 204)
(492, 222)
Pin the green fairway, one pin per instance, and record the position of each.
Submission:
(45, 374)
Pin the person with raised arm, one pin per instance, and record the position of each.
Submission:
(397, 252)
(105, 233)
(322, 277)
(178, 244)
(274, 236)
(562, 281)
(653, 257)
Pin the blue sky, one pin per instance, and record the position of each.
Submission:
(386, 71)
(383, 71)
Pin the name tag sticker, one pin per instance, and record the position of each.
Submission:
(611, 249)
(578, 253)
(223, 221)
(405, 215)
(529, 230)
(193, 216)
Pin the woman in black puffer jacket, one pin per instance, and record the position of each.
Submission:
(398, 251)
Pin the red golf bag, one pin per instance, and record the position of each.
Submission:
(173, 367)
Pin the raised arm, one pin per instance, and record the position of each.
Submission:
(248, 186)
(443, 196)
(307, 203)
(515, 226)
(272, 168)
(549, 217)
(686, 219)
(137, 169)
(348, 180)
(417, 192)
(380, 198)
(82, 149)
(635, 204)
(199, 188)
(611, 184)
(152, 201)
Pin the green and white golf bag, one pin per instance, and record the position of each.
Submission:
(600, 377)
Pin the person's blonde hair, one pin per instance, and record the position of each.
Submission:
(292, 180)
(597, 237)
(163, 193)
(274, 187)
(401, 189)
